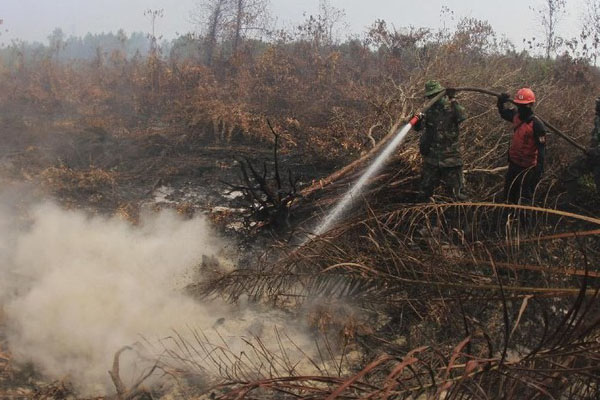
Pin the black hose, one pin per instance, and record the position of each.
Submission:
(566, 137)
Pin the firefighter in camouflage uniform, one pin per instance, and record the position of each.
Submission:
(590, 163)
(440, 144)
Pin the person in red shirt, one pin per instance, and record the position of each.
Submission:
(527, 147)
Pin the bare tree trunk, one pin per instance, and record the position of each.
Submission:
(238, 25)
(550, 16)
(551, 29)
(213, 30)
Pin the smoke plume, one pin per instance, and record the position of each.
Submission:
(79, 288)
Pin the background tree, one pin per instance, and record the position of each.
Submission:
(153, 15)
(549, 15)
(590, 30)
(324, 29)
(248, 16)
(209, 17)
(154, 60)
(234, 20)
(333, 21)
(56, 42)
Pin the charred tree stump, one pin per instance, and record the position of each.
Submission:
(268, 195)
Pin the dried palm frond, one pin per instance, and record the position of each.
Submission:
(518, 282)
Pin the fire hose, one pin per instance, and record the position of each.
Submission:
(375, 150)
(566, 137)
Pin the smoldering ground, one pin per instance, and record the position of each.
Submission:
(79, 288)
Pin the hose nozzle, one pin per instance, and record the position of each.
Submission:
(415, 120)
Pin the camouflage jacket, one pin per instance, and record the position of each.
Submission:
(596, 132)
(440, 144)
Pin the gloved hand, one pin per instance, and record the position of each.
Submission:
(504, 97)
(451, 93)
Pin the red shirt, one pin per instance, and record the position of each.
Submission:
(523, 146)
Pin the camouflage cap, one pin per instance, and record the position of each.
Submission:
(432, 88)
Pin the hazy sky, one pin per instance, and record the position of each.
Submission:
(35, 19)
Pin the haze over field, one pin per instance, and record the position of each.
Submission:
(34, 20)
(241, 202)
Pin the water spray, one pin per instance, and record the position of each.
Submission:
(396, 139)
(379, 162)
(356, 190)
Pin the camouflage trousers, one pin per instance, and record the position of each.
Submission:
(582, 166)
(451, 178)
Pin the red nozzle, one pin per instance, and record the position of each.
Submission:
(413, 121)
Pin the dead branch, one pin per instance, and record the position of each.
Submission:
(115, 376)
(486, 170)
(267, 193)
(370, 134)
(136, 391)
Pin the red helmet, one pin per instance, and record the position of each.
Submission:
(524, 96)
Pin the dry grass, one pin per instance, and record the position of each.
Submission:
(473, 300)
(481, 300)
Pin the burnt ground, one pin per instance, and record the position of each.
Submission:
(124, 172)
(120, 170)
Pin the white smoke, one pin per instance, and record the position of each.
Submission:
(79, 288)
